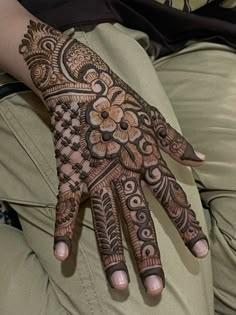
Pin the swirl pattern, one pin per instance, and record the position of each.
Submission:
(107, 139)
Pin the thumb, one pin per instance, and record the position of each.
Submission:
(173, 143)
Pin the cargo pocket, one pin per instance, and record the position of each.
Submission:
(27, 162)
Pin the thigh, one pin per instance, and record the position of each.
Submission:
(80, 283)
(201, 84)
(25, 287)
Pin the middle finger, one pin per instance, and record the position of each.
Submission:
(141, 232)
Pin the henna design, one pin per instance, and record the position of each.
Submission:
(107, 229)
(170, 140)
(140, 227)
(169, 193)
(107, 138)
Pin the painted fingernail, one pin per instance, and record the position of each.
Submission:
(61, 251)
(191, 155)
(153, 285)
(200, 155)
(200, 249)
(119, 280)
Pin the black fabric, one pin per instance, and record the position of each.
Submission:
(173, 28)
(169, 27)
(12, 88)
(63, 14)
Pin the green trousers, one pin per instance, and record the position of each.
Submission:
(197, 86)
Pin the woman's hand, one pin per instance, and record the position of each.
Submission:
(107, 140)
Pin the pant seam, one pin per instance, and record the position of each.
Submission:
(32, 152)
(85, 37)
(96, 293)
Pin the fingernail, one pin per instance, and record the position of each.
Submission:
(191, 155)
(200, 155)
(61, 251)
(119, 280)
(200, 249)
(153, 285)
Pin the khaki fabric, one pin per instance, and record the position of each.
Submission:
(33, 282)
(190, 5)
(200, 82)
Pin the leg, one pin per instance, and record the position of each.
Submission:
(201, 83)
(25, 286)
(32, 187)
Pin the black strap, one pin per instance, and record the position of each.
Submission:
(12, 88)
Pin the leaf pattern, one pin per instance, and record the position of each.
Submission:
(105, 223)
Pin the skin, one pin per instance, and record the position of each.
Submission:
(107, 141)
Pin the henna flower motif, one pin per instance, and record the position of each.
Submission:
(105, 115)
(114, 126)
(103, 145)
(110, 115)
(127, 130)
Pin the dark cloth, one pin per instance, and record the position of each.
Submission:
(172, 28)
(169, 27)
(64, 14)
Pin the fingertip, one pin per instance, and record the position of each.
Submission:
(200, 249)
(153, 285)
(119, 280)
(61, 251)
(200, 155)
(191, 157)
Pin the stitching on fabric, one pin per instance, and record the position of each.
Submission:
(28, 136)
(12, 122)
(38, 152)
(92, 281)
(28, 203)
(85, 291)
(85, 37)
